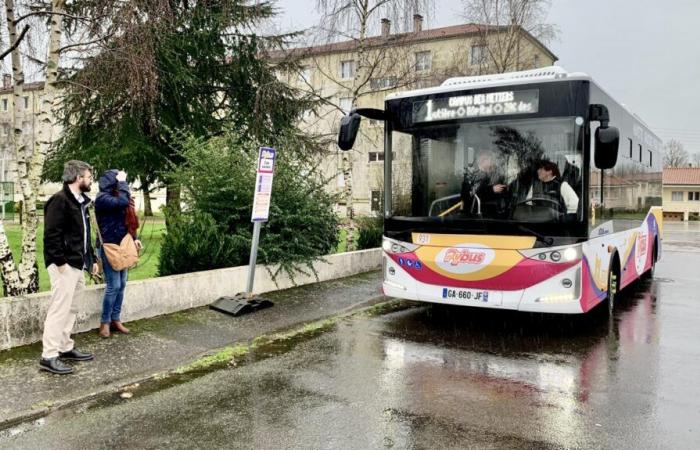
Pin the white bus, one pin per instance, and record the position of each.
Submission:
(530, 191)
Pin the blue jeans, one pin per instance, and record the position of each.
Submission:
(114, 292)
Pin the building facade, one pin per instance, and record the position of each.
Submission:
(681, 193)
(351, 74)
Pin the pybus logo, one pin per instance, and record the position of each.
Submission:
(464, 258)
(456, 256)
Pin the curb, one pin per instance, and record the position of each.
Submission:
(208, 361)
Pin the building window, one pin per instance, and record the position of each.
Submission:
(631, 148)
(347, 69)
(694, 196)
(640, 152)
(536, 61)
(479, 55)
(676, 196)
(376, 201)
(651, 157)
(346, 104)
(424, 61)
(382, 83)
(305, 75)
(4, 104)
(26, 102)
(379, 156)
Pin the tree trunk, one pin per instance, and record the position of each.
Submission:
(358, 81)
(146, 189)
(17, 279)
(172, 202)
(347, 194)
(24, 278)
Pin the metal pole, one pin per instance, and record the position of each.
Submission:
(253, 257)
(387, 167)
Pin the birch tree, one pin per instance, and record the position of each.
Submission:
(357, 21)
(22, 277)
(503, 27)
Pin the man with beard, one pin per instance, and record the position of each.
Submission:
(68, 252)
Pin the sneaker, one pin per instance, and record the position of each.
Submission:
(75, 355)
(55, 365)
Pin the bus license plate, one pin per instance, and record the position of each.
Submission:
(465, 294)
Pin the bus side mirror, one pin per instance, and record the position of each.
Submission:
(348, 130)
(607, 142)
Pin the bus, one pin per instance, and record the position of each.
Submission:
(530, 191)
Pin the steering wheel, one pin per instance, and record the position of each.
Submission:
(553, 204)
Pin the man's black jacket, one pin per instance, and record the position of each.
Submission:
(67, 231)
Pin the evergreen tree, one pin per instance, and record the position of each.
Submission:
(165, 67)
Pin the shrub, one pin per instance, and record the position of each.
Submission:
(218, 178)
(370, 232)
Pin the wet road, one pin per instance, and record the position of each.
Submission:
(439, 377)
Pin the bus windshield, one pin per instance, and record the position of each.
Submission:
(504, 170)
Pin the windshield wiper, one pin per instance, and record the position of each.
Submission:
(546, 240)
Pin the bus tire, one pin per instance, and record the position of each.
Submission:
(649, 274)
(613, 285)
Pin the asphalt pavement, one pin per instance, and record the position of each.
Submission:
(433, 377)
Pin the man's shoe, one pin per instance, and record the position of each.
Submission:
(118, 326)
(104, 330)
(55, 365)
(75, 355)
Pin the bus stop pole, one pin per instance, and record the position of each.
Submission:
(253, 257)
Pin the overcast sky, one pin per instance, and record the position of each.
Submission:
(645, 53)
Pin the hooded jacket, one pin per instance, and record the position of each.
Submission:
(67, 230)
(110, 208)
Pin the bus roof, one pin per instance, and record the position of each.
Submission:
(541, 75)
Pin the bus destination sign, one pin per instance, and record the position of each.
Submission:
(476, 105)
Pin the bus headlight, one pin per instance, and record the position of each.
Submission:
(555, 255)
(391, 246)
(570, 254)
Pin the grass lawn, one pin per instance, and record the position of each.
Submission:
(151, 235)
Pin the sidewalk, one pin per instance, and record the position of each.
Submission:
(164, 343)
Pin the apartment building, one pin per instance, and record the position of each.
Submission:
(361, 74)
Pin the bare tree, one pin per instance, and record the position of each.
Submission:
(503, 27)
(695, 158)
(23, 278)
(378, 65)
(674, 154)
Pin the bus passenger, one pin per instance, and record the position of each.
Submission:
(488, 183)
(551, 186)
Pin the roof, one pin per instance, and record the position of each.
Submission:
(682, 175)
(399, 38)
(539, 75)
(36, 86)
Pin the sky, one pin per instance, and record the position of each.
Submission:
(645, 53)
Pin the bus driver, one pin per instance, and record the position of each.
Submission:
(551, 186)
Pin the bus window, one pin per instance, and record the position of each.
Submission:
(491, 169)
